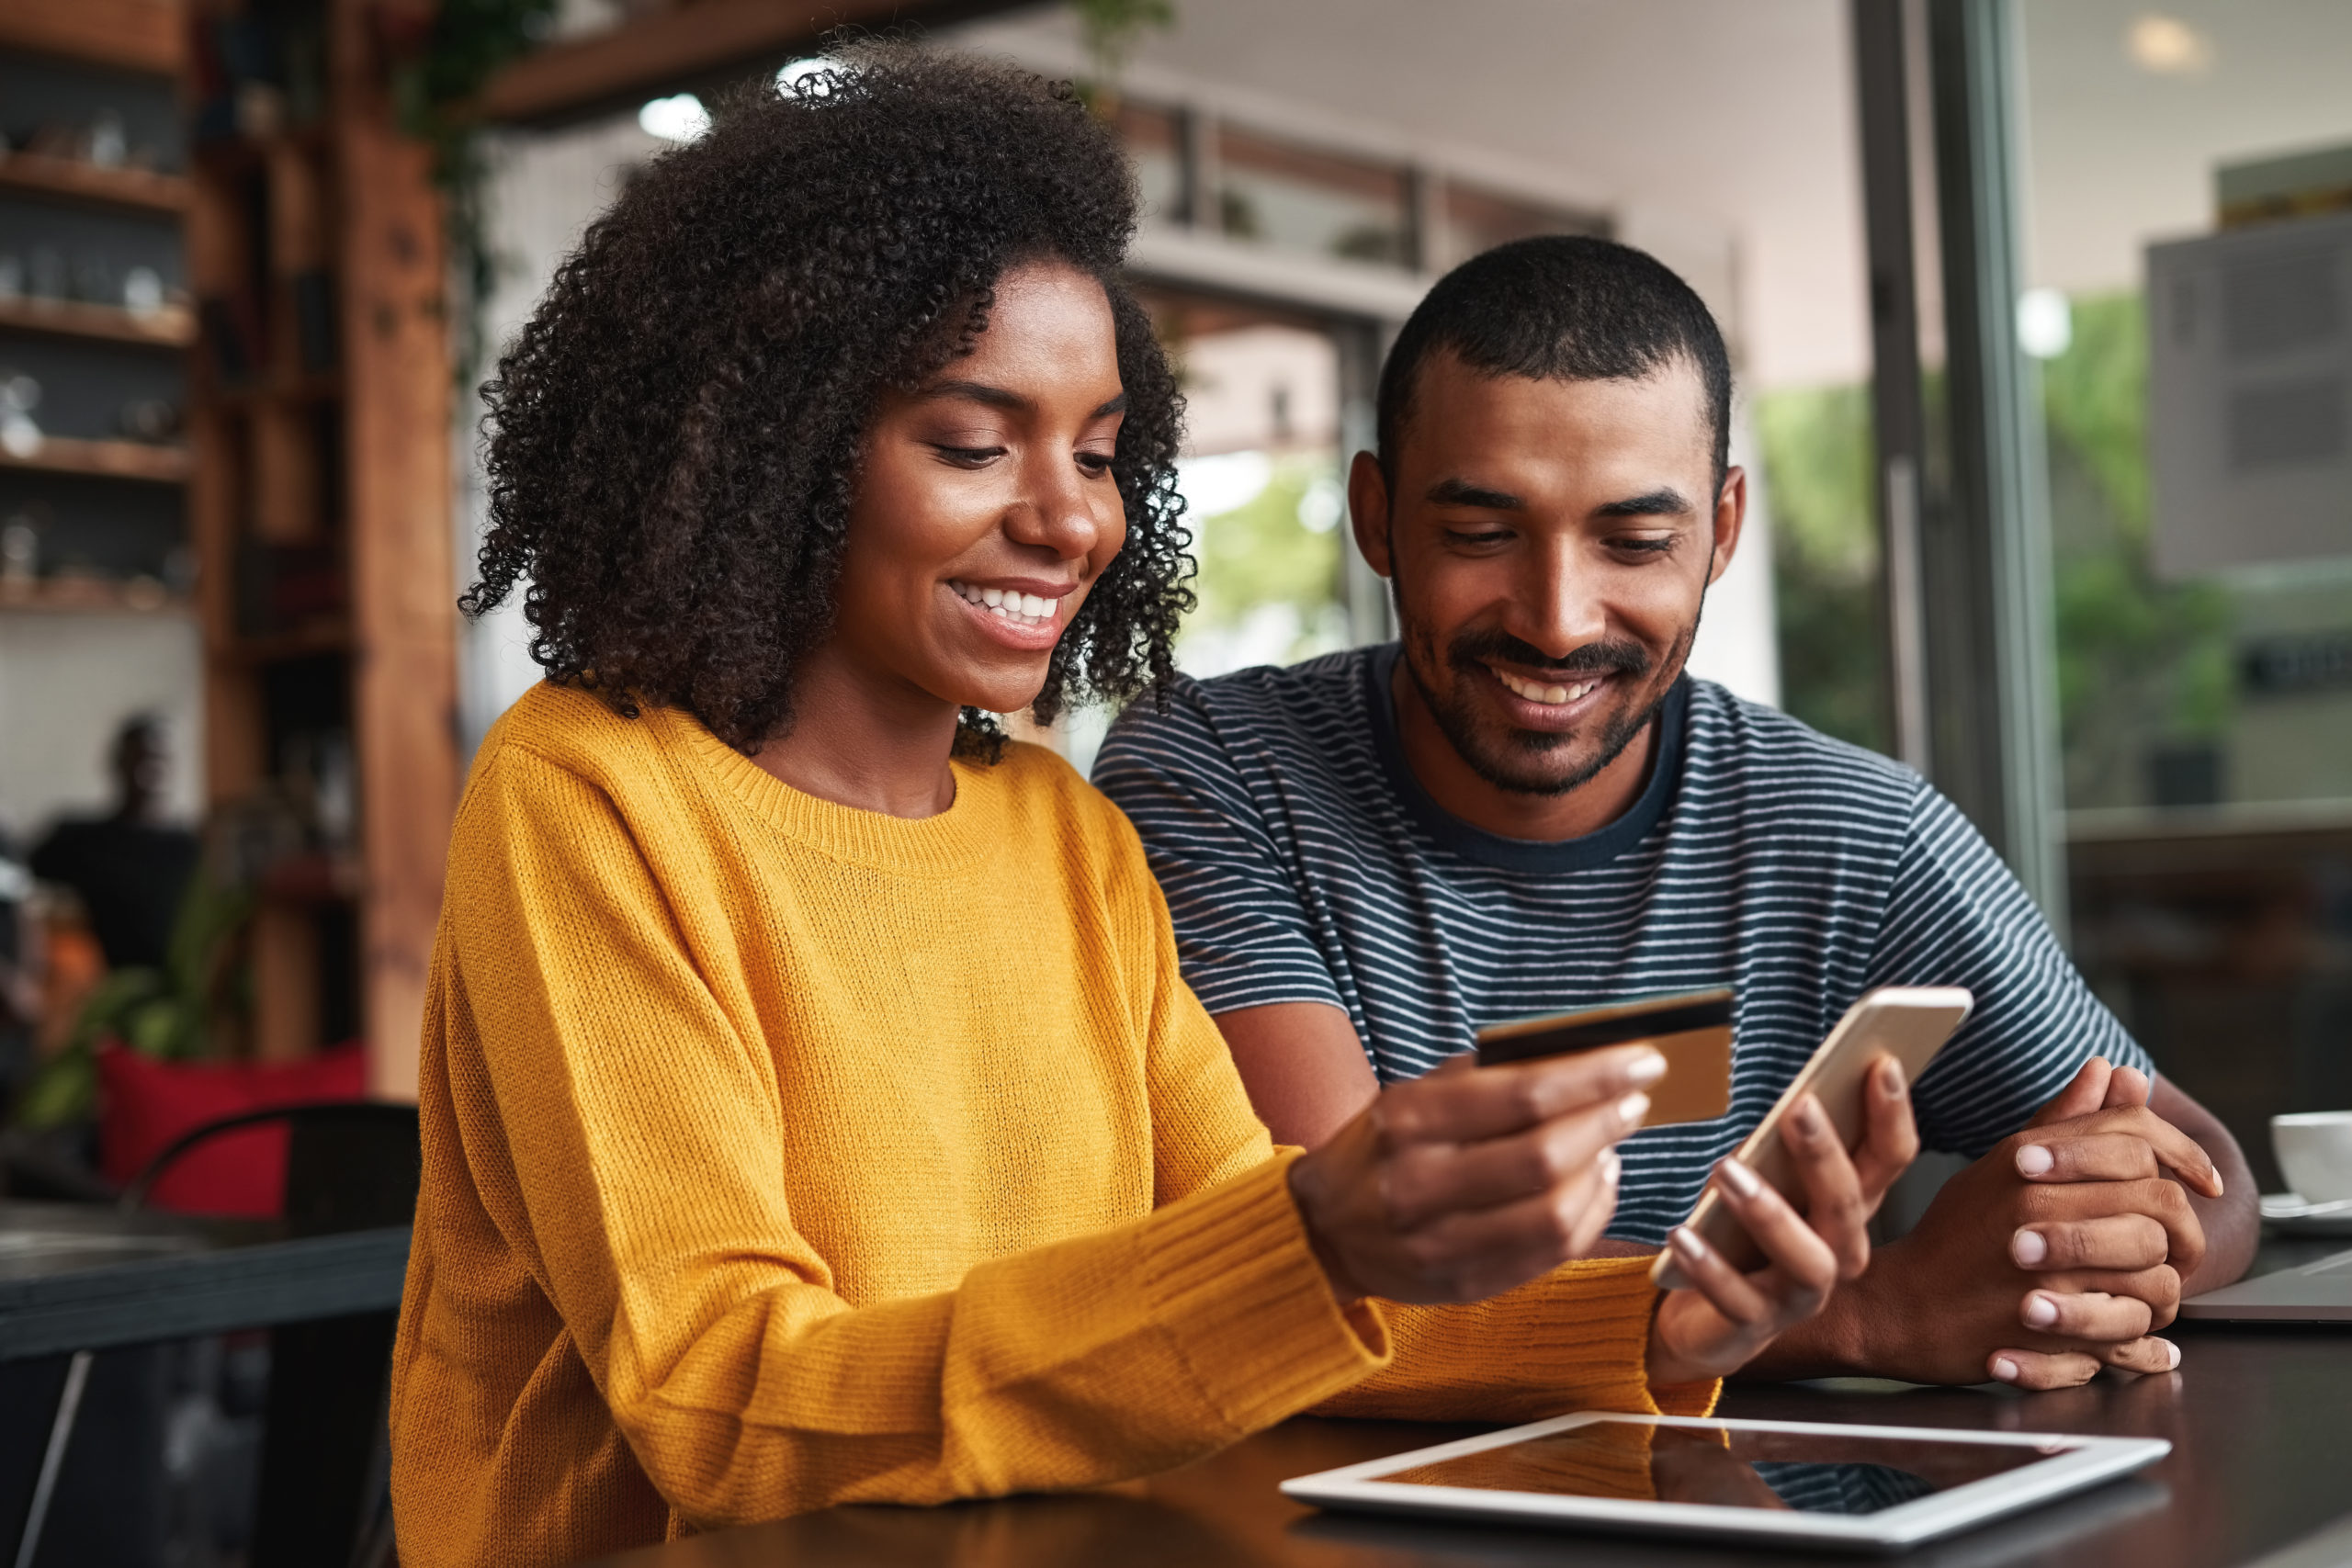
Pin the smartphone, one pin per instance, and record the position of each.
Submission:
(1691, 1029)
(1909, 1024)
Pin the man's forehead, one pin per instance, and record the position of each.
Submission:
(1658, 424)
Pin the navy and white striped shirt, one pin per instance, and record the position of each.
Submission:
(1304, 862)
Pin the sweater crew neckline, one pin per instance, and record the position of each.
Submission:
(945, 841)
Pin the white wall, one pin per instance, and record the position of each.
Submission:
(67, 682)
(544, 189)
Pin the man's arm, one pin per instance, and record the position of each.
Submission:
(1305, 1070)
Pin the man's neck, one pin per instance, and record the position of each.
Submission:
(1460, 791)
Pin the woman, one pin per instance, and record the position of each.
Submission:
(813, 1111)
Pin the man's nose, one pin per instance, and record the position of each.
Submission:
(1558, 606)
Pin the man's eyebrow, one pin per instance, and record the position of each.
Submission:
(1665, 502)
(978, 391)
(1461, 492)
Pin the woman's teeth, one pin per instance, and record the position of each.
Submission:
(1536, 692)
(1021, 609)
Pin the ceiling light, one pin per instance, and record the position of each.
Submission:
(679, 118)
(2167, 46)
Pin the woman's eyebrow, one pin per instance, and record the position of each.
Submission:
(980, 392)
(1116, 405)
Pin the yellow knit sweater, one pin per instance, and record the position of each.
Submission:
(779, 1154)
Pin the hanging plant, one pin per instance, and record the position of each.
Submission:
(435, 82)
(1111, 29)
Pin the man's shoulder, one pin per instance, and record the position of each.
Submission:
(1768, 756)
(1298, 708)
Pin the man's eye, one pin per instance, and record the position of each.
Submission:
(1478, 537)
(1645, 547)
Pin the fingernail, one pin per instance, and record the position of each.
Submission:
(2035, 1161)
(2004, 1369)
(1612, 1169)
(2029, 1247)
(1647, 1068)
(2174, 1350)
(1808, 1117)
(1632, 1108)
(2217, 1191)
(1686, 1241)
(1890, 1079)
(2040, 1311)
(1742, 1180)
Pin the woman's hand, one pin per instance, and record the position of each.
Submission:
(1718, 1324)
(1460, 1185)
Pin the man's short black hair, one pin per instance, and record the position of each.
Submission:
(1560, 306)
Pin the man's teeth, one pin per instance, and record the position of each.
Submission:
(1536, 692)
(1022, 609)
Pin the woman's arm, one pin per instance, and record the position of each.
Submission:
(640, 1126)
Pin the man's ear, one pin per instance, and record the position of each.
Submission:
(1731, 515)
(1368, 512)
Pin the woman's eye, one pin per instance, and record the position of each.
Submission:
(1094, 464)
(969, 456)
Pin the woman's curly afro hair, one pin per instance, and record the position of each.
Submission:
(674, 439)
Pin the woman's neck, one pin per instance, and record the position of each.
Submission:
(862, 739)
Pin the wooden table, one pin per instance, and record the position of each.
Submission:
(81, 1277)
(2256, 1418)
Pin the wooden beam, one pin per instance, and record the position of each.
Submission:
(404, 610)
(131, 35)
(693, 47)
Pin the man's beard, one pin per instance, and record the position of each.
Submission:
(1512, 761)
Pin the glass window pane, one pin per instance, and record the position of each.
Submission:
(1296, 198)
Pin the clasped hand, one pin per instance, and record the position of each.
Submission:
(2058, 1252)
(1472, 1181)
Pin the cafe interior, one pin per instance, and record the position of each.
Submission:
(2016, 522)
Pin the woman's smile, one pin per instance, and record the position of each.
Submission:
(1014, 613)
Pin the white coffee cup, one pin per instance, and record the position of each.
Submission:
(2314, 1150)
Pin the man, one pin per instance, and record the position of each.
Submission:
(130, 867)
(1526, 807)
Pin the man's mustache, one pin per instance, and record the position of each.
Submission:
(1474, 649)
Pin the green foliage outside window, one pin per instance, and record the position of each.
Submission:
(2142, 664)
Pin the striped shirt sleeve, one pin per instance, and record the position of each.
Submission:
(1244, 935)
(1956, 916)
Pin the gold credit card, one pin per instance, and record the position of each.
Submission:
(1691, 1029)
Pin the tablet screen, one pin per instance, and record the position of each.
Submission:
(1821, 1473)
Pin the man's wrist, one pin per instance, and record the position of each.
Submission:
(1834, 1342)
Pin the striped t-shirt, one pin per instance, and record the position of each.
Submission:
(1302, 863)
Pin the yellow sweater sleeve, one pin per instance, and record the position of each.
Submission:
(643, 1131)
(1576, 1340)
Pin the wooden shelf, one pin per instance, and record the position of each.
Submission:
(104, 459)
(75, 180)
(90, 595)
(130, 35)
(322, 388)
(249, 651)
(174, 326)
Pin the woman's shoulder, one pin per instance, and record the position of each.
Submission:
(1038, 784)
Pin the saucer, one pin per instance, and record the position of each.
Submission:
(2287, 1214)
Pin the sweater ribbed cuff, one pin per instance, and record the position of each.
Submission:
(1589, 1323)
(1233, 1278)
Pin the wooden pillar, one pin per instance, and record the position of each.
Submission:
(403, 589)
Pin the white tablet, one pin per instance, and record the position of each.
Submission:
(1797, 1483)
